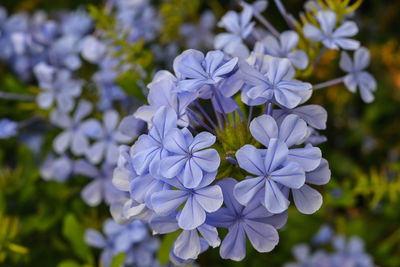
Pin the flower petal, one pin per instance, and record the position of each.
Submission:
(307, 199)
(210, 198)
(263, 128)
(192, 215)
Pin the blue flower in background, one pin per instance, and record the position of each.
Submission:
(329, 35)
(8, 128)
(92, 49)
(239, 27)
(132, 239)
(58, 87)
(283, 48)
(101, 188)
(252, 220)
(75, 132)
(108, 138)
(348, 252)
(76, 23)
(273, 82)
(357, 76)
(64, 52)
(199, 200)
(195, 70)
(105, 79)
(189, 160)
(58, 169)
(199, 35)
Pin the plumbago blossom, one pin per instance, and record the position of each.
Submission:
(132, 239)
(347, 252)
(230, 142)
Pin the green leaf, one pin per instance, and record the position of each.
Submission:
(118, 260)
(166, 244)
(74, 233)
(68, 263)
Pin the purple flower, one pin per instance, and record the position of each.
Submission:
(189, 161)
(239, 27)
(330, 37)
(198, 200)
(163, 92)
(189, 243)
(58, 86)
(92, 49)
(8, 128)
(283, 48)
(76, 23)
(101, 188)
(132, 239)
(108, 139)
(357, 76)
(150, 148)
(292, 131)
(199, 35)
(252, 220)
(58, 169)
(307, 199)
(76, 132)
(272, 82)
(273, 170)
(195, 70)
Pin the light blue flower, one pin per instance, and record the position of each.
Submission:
(199, 35)
(92, 49)
(272, 171)
(194, 70)
(307, 199)
(199, 200)
(8, 128)
(150, 147)
(58, 169)
(58, 87)
(64, 52)
(283, 48)
(190, 243)
(273, 81)
(76, 23)
(101, 188)
(105, 79)
(108, 139)
(75, 132)
(350, 252)
(253, 221)
(189, 160)
(132, 239)
(329, 35)
(239, 27)
(357, 76)
(292, 131)
(163, 92)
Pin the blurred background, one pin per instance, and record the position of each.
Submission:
(44, 221)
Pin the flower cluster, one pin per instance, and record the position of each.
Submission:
(348, 252)
(230, 136)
